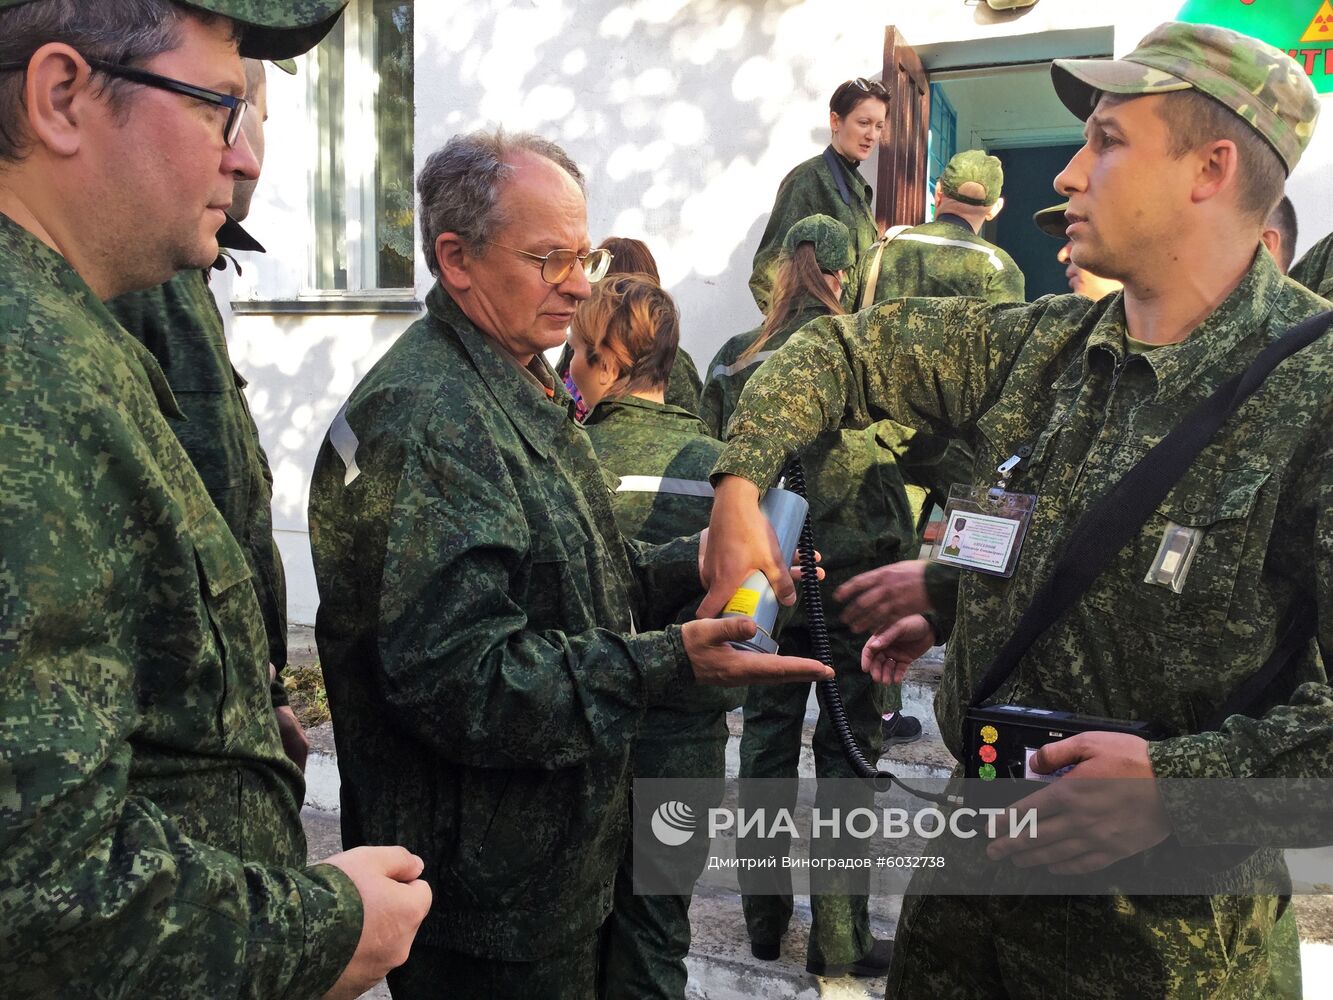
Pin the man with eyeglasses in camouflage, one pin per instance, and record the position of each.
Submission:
(150, 835)
(489, 640)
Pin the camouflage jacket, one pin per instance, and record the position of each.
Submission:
(150, 833)
(861, 515)
(1315, 268)
(180, 323)
(1055, 377)
(942, 259)
(476, 637)
(811, 189)
(660, 456)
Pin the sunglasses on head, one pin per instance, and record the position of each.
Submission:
(872, 87)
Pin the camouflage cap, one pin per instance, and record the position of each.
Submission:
(1261, 84)
(833, 243)
(1051, 221)
(273, 29)
(975, 167)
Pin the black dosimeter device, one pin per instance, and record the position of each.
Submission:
(999, 742)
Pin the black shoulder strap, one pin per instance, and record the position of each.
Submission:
(836, 169)
(1116, 518)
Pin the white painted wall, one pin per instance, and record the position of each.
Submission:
(684, 114)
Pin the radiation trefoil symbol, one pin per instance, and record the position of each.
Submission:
(673, 823)
(1321, 28)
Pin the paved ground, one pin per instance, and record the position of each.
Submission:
(720, 964)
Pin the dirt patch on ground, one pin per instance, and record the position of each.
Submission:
(305, 692)
(1314, 916)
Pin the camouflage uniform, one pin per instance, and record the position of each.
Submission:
(808, 190)
(1315, 268)
(1056, 376)
(1056, 381)
(476, 636)
(944, 258)
(143, 785)
(648, 937)
(861, 521)
(180, 324)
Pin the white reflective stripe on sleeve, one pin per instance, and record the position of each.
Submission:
(665, 484)
(344, 442)
(940, 241)
(740, 366)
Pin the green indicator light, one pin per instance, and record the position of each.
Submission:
(986, 772)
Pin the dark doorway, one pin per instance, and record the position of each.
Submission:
(1028, 177)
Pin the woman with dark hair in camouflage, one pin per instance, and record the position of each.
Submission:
(828, 184)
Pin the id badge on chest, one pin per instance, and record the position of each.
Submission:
(984, 528)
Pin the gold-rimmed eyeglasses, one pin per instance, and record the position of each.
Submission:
(559, 264)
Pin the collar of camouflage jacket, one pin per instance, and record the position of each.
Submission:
(536, 418)
(33, 266)
(1187, 367)
(649, 410)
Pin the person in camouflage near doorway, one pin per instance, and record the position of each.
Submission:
(1190, 135)
(828, 184)
(944, 258)
(150, 834)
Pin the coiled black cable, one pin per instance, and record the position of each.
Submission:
(827, 691)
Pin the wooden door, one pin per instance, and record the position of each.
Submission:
(901, 190)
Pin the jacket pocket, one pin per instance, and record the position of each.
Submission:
(512, 825)
(1218, 505)
(222, 568)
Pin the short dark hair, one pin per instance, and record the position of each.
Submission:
(850, 93)
(1193, 119)
(126, 32)
(1283, 219)
(460, 186)
(631, 321)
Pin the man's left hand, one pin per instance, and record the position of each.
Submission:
(1095, 814)
(295, 744)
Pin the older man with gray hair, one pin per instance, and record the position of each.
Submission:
(478, 604)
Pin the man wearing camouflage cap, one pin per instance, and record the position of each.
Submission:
(945, 257)
(1189, 141)
(948, 256)
(150, 836)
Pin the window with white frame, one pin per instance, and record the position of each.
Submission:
(360, 86)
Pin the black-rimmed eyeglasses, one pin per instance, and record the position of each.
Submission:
(559, 264)
(235, 106)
